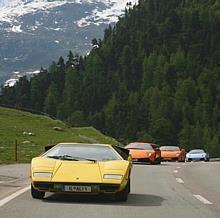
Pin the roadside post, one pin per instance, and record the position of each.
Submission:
(16, 150)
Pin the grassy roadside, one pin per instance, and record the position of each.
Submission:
(33, 132)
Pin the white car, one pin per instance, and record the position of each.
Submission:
(197, 155)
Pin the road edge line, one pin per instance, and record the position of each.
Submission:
(14, 195)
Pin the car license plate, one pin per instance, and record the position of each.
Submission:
(71, 188)
(135, 160)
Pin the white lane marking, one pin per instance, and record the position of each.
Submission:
(179, 180)
(183, 164)
(14, 195)
(178, 167)
(175, 171)
(202, 199)
(15, 180)
(10, 181)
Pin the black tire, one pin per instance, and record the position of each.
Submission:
(158, 161)
(122, 196)
(152, 162)
(36, 194)
(181, 161)
(129, 186)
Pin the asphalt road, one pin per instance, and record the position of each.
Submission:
(172, 190)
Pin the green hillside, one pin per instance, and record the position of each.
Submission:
(33, 132)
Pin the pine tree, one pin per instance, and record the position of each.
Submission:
(51, 101)
(71, 91)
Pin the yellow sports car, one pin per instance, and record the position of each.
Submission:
(79, 168)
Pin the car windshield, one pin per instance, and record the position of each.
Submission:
(169, 148)
(90, 152)
(199, 151)
(139, 146)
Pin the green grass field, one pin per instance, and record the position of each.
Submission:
(33, 132)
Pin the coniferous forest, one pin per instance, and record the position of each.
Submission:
(155, 76)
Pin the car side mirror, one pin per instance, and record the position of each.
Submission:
(129, 157)
(48, 147)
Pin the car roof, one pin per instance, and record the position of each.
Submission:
(170, 146)
(76, 143)
(202, 150)
(140, 143)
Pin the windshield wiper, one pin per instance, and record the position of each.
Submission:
(137, 148)
(88, 159)
(69, 157)
(63, 157)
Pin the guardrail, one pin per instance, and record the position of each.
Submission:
(214, 159)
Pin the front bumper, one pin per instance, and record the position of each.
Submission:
(196, 159)
(170, 158)
(140, 160)
(96, 188)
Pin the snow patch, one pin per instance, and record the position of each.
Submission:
(56, 29)
(16, 75)
(109, 15)
(10, 10)
(33, 28)
(16, 29)
(10, 82)
(33, 72)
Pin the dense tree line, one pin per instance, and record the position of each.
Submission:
(153, 77)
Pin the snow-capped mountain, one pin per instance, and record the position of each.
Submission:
(33, 33)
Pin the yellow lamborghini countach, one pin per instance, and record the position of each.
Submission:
(79, 168)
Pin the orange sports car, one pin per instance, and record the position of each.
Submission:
(173, 153)
(144, 152)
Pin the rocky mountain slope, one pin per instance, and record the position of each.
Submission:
(35, 32)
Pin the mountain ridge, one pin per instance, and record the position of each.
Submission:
(29, 27)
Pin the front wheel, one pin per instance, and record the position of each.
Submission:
(158, 160)
(181, 160)
(123, 195)
(36, 194)
(129, 186)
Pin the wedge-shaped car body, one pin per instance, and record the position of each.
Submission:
(144, 152)
(82, 169)
(197, 155)
(172, 153)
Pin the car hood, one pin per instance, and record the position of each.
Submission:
(170, 153)
(78, 171)
(139, 153)
(196, 155)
